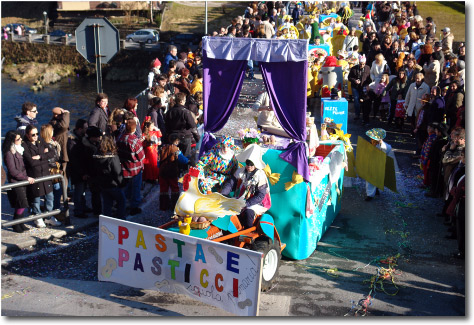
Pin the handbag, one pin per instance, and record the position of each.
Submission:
(54, 171)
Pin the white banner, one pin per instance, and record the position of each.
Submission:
(155, 259)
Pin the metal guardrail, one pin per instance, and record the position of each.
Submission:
(67, 220)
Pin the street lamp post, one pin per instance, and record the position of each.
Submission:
(45, 14)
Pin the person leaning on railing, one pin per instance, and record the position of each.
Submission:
(12, 152)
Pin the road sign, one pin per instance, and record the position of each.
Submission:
(108, 36)
(98, 41)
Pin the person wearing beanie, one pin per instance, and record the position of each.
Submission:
(447, 41)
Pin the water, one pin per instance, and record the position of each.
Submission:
(74, 94)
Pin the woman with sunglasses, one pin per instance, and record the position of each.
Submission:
(36, 157)
(13, 157)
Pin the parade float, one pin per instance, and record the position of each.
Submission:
(204, 252)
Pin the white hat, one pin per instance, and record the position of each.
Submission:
(253, 153)
(446, 29)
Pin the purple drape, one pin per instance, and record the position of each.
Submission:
(286, 85)
(222, 80)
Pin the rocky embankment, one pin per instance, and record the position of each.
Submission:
(41, 65)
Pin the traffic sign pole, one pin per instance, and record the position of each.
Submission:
(98, 41)
(98, 65)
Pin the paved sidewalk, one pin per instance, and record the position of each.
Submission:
(12, 241)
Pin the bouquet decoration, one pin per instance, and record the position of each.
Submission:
(249, 136)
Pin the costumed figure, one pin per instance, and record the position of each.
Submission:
(301, 26)
(315, 33)
(345, 12)
(338, 37)
(267, 120)
(343, 62)
(330, 75)
(217, 165)
(251, 185)
(151, 140)
(377, 135)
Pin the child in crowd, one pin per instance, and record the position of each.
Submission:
(400, 113)
(151, 140)
(384, 100)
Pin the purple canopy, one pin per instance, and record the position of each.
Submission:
(284, 68)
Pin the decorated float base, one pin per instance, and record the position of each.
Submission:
(304, 212)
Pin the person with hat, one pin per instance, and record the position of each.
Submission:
(447, 41)
(250, 183)
(154, 72)
(377, 135)
(297, 13)
(217, 165)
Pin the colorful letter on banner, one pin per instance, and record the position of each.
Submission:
(316, 49)
(155, 259)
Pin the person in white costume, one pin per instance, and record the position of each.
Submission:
(250, 183)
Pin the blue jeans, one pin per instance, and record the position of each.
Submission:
(250, 68)
(57, 192)
(355, 94)
(35, 204)
(109, 195)
(79, 198)
(132, 190)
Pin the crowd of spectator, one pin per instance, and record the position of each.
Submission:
(401, 68)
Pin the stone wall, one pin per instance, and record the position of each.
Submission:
(126, 64)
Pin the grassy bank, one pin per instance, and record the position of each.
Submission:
(446, 14)
(190, 19)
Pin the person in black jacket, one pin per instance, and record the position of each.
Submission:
(156, 113)
(76, 168)
(13, 157)
(91, 146)
(99, 116)
(36, 157)
(359, 76)
(179, 120)
(435, 156)
(110, 177)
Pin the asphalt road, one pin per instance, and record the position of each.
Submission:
(60, 278)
